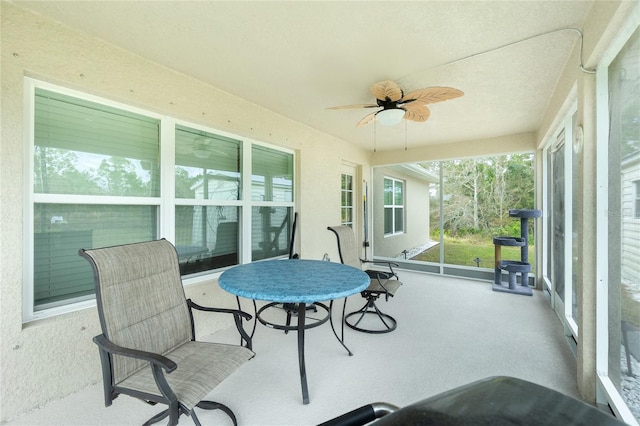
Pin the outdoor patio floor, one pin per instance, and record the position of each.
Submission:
(450, 332)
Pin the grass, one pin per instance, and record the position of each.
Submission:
(464, 250)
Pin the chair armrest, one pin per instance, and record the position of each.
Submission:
(238, 315)
(157, 359)
(386, 262)
(243, 314)
(382, 274)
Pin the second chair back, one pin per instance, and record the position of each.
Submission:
(347, 245)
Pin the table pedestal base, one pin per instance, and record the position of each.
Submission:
(300, 328)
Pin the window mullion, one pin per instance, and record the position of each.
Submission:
(167, 179)
(246, 203)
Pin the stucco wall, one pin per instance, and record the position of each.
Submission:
(416, 214)
(51, 358)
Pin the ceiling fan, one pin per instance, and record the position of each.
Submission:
(200, 147)
(396, 105)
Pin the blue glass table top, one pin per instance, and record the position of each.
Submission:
(294, 281)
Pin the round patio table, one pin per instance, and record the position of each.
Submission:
(298, 281)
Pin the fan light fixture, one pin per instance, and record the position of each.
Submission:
(390, 117)
(397, 105)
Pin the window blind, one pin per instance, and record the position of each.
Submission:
(87, 149)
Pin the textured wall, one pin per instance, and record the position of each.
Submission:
(416, 230)
(50, 358)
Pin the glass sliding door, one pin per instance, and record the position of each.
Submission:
(560, 265)
(556, 217)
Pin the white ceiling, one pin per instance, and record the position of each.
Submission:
(299, 57)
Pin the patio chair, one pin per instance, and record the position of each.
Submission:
(147, 346)
(383, 283)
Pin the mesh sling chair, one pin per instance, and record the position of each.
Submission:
(383, 283)
(148, 348)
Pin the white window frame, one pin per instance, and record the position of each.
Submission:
(393, 207)
(352, 196)
(636, 199)
(166, 202)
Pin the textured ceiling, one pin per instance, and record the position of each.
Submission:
(298, 58)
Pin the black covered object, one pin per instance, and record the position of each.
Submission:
(497, 401)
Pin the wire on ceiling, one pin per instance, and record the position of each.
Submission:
(581, 37)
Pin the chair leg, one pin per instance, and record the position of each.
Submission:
(174, 413)
(211, 405)
(196, 420)
(155, 419)
(370, 307)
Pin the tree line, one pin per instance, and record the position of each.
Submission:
(479, 192)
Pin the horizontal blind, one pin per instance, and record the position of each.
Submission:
(85, 148)
(60, 230)
(208, 166)
(271, 175)
(207, 237)
(270, 231)
(82, 147)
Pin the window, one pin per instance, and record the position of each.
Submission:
(207, 192)
(346, 199)
(272, 193)
(95, 183)
(393, 206)
(101, 175)
(618, 299)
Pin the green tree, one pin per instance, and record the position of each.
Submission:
(184, 183)
(56, 172)
(479, 192)
(118, 176)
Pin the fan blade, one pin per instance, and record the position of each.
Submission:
(431, 95)
(386, 89)
(354, 106)
(416, 112)
(369, 118)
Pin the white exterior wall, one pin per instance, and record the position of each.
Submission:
(416, 229)
(630, 223)
(51, 358)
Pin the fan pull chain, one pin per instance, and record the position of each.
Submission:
(405, 135)
(375, 125)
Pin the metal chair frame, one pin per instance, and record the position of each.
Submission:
(161, 366)
(383, 283)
